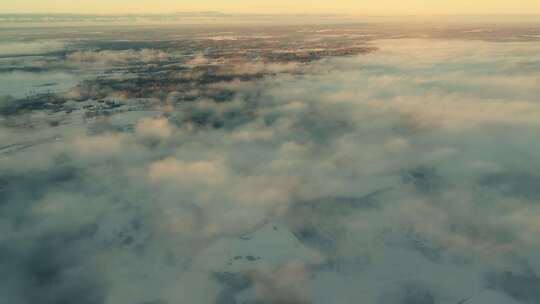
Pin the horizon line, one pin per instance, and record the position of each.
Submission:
(224, 14)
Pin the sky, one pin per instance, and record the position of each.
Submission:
(363, 7)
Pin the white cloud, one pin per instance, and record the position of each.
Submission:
(108, 57)
(154, 127)
(413, 167)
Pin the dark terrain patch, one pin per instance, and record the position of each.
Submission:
(424, 179)
(513, 184)
(522, 287)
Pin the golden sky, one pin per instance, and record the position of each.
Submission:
(360, 7)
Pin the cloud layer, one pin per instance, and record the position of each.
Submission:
(406, 175)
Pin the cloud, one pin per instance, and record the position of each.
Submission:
(154, 127)
(288, 284)
(13, 48)
(182, 172)
(111, 57)
(411, 172)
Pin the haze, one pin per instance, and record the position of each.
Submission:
(382, 7)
